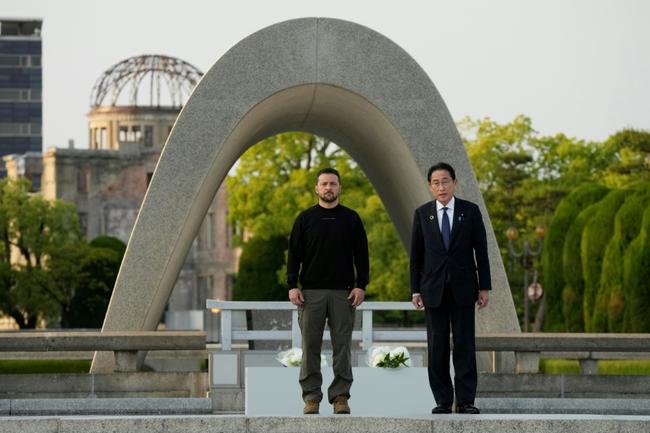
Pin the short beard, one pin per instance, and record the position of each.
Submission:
(328, 200)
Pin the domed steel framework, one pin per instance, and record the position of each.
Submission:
(128, 81)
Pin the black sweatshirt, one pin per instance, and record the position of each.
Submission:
(329, 244)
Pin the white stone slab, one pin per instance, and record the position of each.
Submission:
(375, 391)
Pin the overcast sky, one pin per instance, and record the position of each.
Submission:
(579, 67)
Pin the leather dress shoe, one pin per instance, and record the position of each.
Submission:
(468, 408)
(441, 408)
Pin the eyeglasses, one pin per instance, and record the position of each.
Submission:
(444, 183)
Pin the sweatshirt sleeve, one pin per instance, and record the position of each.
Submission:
(296, 253)
(361, 262)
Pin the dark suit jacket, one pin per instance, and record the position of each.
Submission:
(466, 264)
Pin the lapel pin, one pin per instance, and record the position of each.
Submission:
(431, 217)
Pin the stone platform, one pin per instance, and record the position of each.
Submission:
(488, 423)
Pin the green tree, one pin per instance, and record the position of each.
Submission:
(552, 255)
(574, 281)
(258, 265)
(630, 158)
(627, 225)
(93, 283)
(596, 235)
(274, 181)
(33, 230)
(386, 254)
(110, 243)
(523, 176)
(636, 279)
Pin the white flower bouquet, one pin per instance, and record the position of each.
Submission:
(293, 358)
(387, 357)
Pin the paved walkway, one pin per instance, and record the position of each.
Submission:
(328, 424)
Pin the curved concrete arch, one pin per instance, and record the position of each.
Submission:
(334, 78)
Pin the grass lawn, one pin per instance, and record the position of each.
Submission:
(612, 367)
(45, 366)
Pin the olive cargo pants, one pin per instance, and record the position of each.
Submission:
(333, 307)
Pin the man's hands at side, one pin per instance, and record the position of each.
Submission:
(416, 300)
(483, 298)
(357, 295)
(296, 298)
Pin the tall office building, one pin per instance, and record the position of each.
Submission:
(21, 84)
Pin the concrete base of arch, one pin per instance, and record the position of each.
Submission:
(330, 77)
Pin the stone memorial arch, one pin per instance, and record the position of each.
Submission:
(333, 78)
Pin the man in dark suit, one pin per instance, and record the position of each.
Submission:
(450, 272)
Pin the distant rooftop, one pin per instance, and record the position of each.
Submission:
(20, 26)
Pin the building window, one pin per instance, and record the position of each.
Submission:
(83, 179)
(102, 138)
(137, 134)
(122, 133)
(148, 136)
(10, 60)
(83, 222)
(10, 95)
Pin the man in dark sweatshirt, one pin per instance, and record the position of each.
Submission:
(327, 243)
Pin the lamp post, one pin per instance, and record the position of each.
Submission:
(527, 253)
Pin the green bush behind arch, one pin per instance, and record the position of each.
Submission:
(636, 279)
(596, 235)
(627, 225)
(574, 281)
(564, 216)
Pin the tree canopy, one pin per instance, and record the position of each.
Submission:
(49, 275)
(274, 181)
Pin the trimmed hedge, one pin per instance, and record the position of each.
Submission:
(257, 279)
(595, 237)
(636, 279)
(627, 225)
(564, 216)
(573, 291)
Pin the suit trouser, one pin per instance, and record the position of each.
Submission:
(464, 354)
(333, 307)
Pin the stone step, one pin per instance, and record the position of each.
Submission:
(485, 423)
(593, 406)
(105, 406)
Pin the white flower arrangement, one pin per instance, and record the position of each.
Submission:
(387, 357)
(293, 358)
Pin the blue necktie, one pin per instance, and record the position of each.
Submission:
(446, 231)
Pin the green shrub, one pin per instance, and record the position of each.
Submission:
(559, 366)
(636, 279)
(109, 242)
(44, 366)
(595, 237)
(626, 227)
(257, 279)
(565, 214)
(573, 291)
(94, 284)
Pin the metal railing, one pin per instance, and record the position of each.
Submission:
(367, 335)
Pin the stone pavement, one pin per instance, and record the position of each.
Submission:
(488, 423)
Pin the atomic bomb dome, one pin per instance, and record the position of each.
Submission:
(137, 100)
